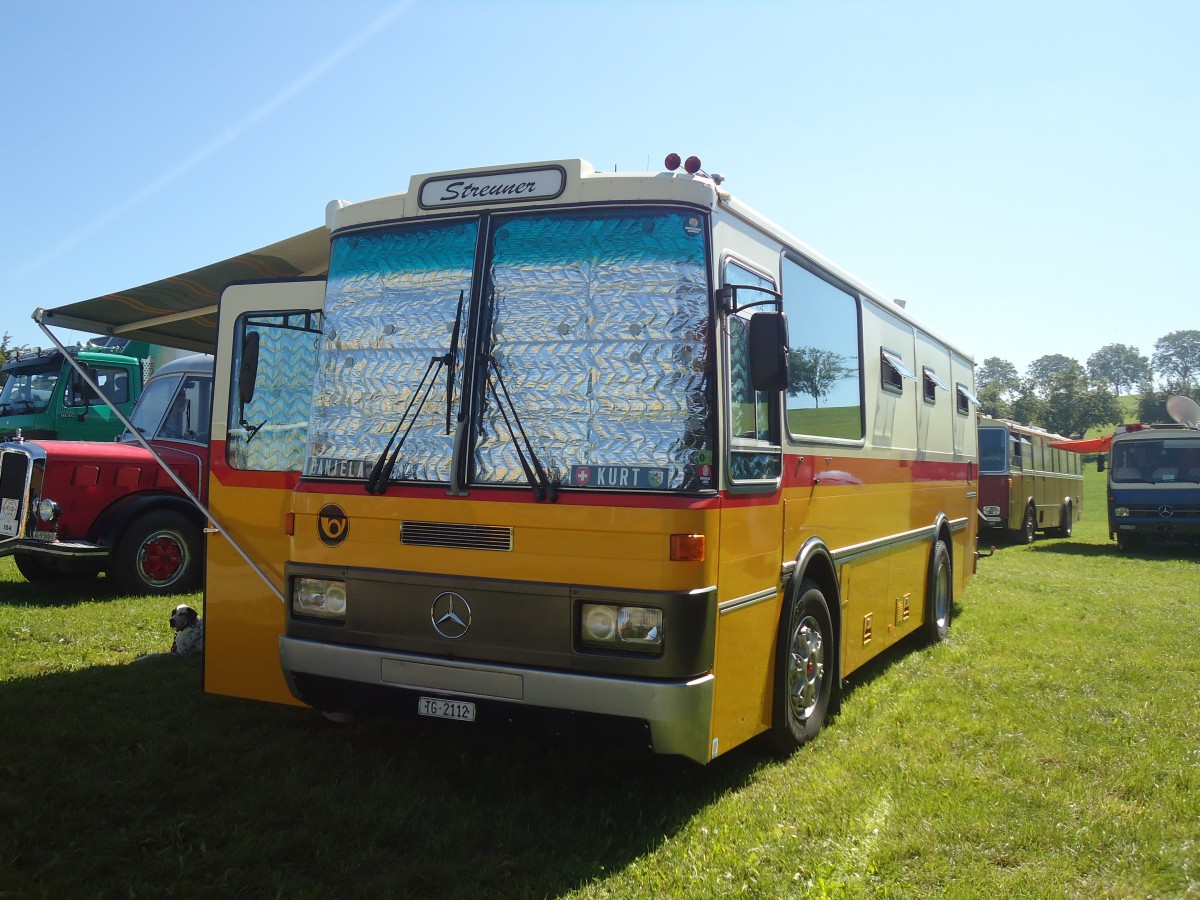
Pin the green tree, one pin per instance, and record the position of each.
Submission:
(997, 385)
(6, 351)
(1119, 366)
(1177, 359)
(814, 372)
(992, 401)
(1073, 405)
(1066, 403)
(998, 372)
(1152, 404)
(1043, 369)
(1027, 407)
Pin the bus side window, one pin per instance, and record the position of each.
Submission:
(824, 393)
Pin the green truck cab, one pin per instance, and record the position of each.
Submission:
(43, 397)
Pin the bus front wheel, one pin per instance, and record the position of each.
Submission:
(805, 671)
(1029, 526)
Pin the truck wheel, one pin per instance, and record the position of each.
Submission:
(804, 669)
(1127, 543)
(38, 570)
(939, 595)
(159, 553)
(1029, 526)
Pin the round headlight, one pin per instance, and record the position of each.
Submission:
(47, 510)
(335, 599)
(599, 623)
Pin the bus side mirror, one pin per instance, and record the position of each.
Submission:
(248, 372)
(769, 351)
(1099, 463)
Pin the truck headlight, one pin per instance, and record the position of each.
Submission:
(1121, 512)
(48, 511)
(622, 627)
(319, 597)
(991, 510)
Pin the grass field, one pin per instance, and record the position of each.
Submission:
(1050, 748)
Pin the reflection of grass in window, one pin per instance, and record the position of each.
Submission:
(830, 421)
(744, 423)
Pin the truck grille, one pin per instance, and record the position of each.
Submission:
(450, 534)
(14, 475)
(1180, 512)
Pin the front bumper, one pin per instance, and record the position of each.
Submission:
(678, 713)
(52, 549)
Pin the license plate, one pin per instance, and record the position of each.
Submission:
(459, 710)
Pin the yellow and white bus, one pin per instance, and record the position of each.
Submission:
(1028, 482)
(612, 444)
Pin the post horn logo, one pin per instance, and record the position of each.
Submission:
(332, 525)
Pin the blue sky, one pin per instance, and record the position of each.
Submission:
(1024, 175)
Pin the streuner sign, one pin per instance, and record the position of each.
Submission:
(494, 187)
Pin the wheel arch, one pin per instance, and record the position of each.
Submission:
(815, 562)
(115, 519)
(944, 533)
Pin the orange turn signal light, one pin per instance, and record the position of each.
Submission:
(687, 548)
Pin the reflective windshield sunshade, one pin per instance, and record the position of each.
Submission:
(580, 353)
(390, 307)
(599, 332)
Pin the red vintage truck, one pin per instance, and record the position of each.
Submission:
(74, 509)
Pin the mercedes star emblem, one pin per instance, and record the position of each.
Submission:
(450, 614)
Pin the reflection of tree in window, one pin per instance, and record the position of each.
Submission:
(824, 369)
(815, 372)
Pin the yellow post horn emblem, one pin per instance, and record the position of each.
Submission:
(332, 525)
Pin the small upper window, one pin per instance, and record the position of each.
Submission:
(893, 370)
(965, 399)
(931, 383)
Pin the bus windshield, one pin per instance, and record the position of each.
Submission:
(582, 340)
(29, 387)
(1156, 461)
(993, 450)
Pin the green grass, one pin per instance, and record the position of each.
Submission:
(1050, 748)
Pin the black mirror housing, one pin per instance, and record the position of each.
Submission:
(769, 351)
(248, 371)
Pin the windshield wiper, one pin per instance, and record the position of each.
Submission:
(544, 488)
(381, 473)
(451, 360)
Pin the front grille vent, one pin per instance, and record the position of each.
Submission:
(451, 534)
(14, 466)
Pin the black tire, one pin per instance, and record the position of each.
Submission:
(1028, 532)
(38, 570)
(939, 595)
(159, 553)
(1130, 543)
(1066, 527)
(805, 669)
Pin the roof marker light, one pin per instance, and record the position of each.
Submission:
(672, 162)
(692, 166)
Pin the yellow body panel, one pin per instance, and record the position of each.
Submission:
(243, 618)
(558, 543)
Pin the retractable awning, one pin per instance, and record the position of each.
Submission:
(1091, 445)
(181, 311)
